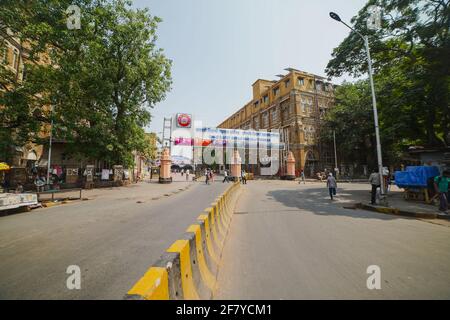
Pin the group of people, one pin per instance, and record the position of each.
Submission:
(374, 180)
(209, 176)
(226, 177)
(187, 173)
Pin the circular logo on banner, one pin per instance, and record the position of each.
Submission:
(184, 120)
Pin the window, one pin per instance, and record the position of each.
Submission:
(276, 91)
(266, 99)
(301, 81)
(256, 104)
(303, 103)
(287, 83)
(330, 87)
(15, 62)
(265, 120)
(285, 113)
(319, 86)
(256, 123)
(274, 115)
(319, 102)
(4, 53)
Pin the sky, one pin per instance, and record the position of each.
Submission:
(220, 48)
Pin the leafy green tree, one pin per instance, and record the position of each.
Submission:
(104, 78)
(411, 60)
(352, 121)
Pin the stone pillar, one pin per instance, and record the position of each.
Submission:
(89, 177)
(235, 166)
(166, 162)
(290, 163)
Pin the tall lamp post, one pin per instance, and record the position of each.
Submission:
(50, 146)
(374, 100)
(336, 170)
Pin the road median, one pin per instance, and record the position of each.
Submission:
(188, 268)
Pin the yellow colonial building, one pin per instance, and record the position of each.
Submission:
(295, 105)
(14, 54)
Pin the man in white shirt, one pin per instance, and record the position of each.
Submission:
(225, 177)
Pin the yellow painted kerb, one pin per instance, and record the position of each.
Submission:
(206, 275)
(154, 285)
(209, 245)
(187, 283)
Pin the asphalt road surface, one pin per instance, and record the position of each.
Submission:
(114, 238)
(289, 241)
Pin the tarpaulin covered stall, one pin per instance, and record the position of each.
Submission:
(415, 177)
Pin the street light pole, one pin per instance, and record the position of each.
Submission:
(50, 148)
(375, 117)
(374, 101)
(335, 155)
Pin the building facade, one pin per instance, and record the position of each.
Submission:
(14, 54)
(295, 105)
(32, 158)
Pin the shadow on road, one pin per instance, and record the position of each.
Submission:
(316, 200)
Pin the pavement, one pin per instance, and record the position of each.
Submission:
(359, 195)
(289, 241)
(114, 238)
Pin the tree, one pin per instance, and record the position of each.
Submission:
(352, 120)
(411, 60)
(104, 77)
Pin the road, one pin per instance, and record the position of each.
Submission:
(288, 241)
(114, 238)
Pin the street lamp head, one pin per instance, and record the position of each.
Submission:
(335, 16)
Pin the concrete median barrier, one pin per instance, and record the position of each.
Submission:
(188, 269)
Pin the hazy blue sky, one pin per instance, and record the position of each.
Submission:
(219, 48)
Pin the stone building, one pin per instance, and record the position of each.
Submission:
(13, 57)
(295, 105)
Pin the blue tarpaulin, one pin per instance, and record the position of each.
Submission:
(415, 177)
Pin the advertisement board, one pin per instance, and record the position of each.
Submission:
(204, 137)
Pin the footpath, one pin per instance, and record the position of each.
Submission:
(147, 189)
(359, 194)
(356, 195)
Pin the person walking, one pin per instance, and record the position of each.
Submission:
(441, 185)
(331, 185)
(302, 177)
(225, 177)
(187, 174)
(375, 181)
(211, 175)
(206, 176)
(243, 177)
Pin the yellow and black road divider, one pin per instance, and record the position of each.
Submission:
(188, 269)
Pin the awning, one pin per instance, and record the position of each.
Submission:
(4, 166)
